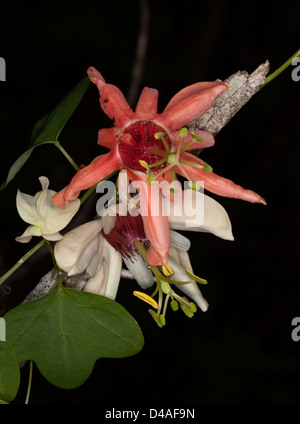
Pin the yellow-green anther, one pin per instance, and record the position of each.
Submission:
(162, 320)
(159, 135)
(183, 132)
(197, 137)
(146, 298)
(195, 277)
(194, 185)
(174, 305)
(155, 317)
(207, 168)
(193, 307)
(145, 165)
(167, 270)
(187, 310)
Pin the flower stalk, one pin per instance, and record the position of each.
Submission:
(66, 155)
(280, 69)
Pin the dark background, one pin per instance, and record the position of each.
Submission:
(241, 350)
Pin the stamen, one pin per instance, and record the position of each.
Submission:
(207, 168)
(194, 185)
(167, 270)
(187, 146)
(195, 277)
(161, 136)
(146, 298)
(146, 166)
(183, 132)
(174, 305)
(194, 165)
(197, 137)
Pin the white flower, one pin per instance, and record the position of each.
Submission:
(85, 249)
(44, 217)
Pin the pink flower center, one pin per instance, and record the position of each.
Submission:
(142, 145)
(126, 230)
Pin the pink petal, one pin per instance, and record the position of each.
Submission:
(107, 137)
(112, 100)
(208, 139)
(216, 184)
(190, 90)
(155, 221)
(190, 107)
(95, 77)
(166, 183)
(146, 107)
(88, 176)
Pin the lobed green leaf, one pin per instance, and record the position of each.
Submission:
(65, 332)
(9, 372)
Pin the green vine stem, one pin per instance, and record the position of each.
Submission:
(21, 261)
(66, 155)
(59, 271)
(280, 69)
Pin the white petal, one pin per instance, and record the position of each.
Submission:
(28, 233)
(182, 257)
(56, 218)
(106, 280)
(75, 246)
(43, 198)
(44, 183)
(26, 206)
(53, 237)
(190, 289)
(140, 271)
(96, 257)
(179, 241)
(214, 218)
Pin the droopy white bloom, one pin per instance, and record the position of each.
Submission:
(44, 217)
(89, 248)
(84, 249)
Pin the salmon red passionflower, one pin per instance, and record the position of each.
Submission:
(145, 143)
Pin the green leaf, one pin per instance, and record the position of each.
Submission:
(9, 372)
(49, 127)
(65, 332)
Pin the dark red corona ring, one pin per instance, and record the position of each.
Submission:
(142, 145)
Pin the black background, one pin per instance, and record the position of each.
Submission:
(241, 350)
